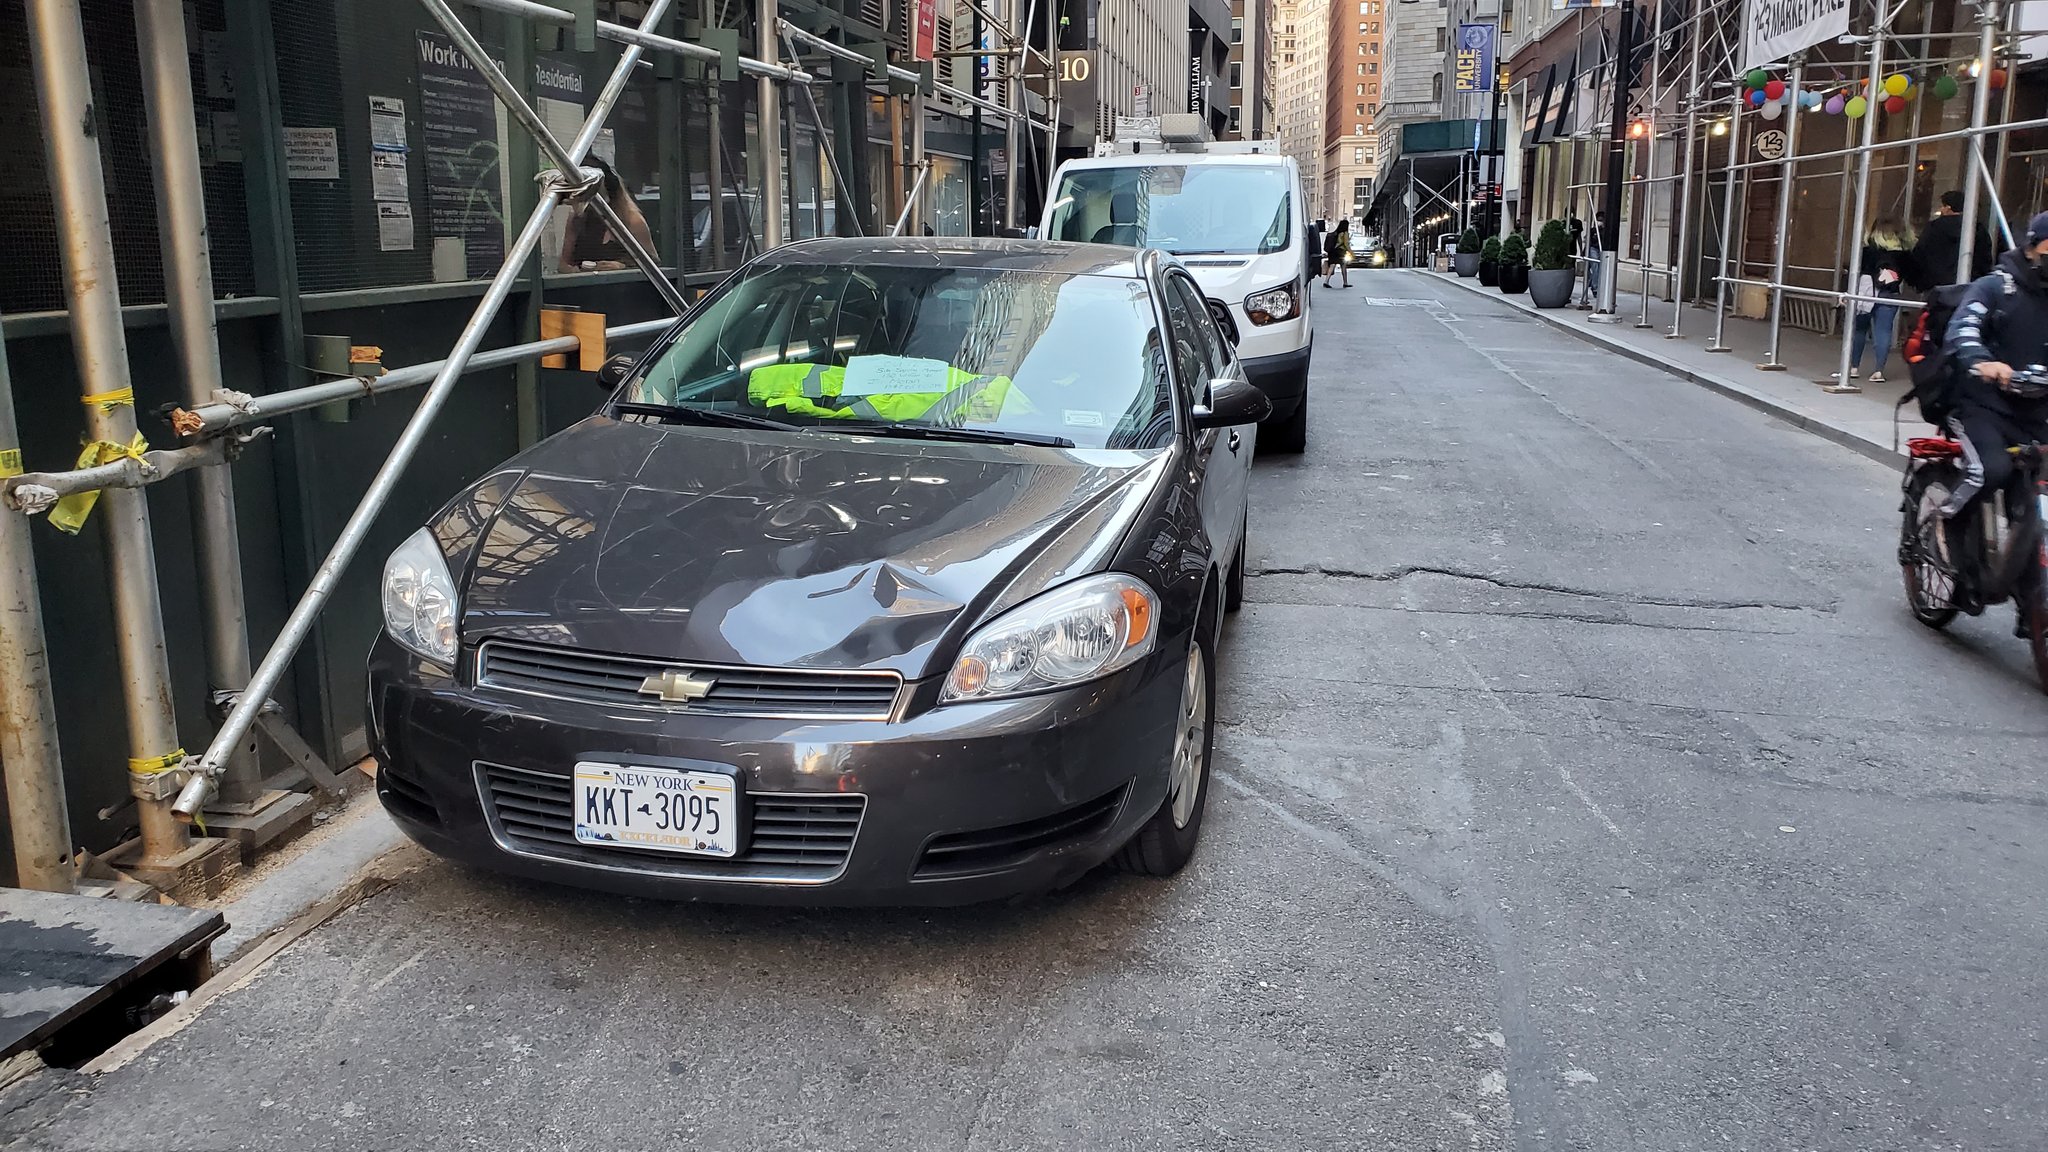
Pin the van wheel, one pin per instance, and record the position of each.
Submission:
(1288, 437)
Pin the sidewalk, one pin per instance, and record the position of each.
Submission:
(1861, 421)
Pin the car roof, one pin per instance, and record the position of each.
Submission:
(1161, 159)
(964, 252)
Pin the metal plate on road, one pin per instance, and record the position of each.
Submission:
(659, 809)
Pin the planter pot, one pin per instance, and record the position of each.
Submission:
(1551, 287)
(1489, 273)
(1466, 264)
(1514, 279)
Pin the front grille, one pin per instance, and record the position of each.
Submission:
(992, 849)
(604, 678)
(792, 837)
(405, 797)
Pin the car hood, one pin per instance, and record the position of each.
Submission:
(807, 550)
(1231, 278)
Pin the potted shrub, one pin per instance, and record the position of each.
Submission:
(1550, 271)
(1514, 264)
(1466, 261)
(1489, 262)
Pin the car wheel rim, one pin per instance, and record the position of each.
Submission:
(1190, 749)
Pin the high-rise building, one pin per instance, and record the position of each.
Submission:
(1354, 69)
(1414, 63)
(1301, 48)
(1251, 70)
(1157, 56)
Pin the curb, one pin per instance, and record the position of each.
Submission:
(1769, 405)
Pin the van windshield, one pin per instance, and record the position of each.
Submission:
(1237, 209)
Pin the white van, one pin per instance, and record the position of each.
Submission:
(1235, 220)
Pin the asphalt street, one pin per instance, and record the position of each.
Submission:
(1582, 783)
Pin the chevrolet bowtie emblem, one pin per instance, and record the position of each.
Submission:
(675, 686)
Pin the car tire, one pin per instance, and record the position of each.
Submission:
(1167, 841)
(1287, 437)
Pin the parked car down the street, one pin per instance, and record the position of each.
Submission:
(893, 573)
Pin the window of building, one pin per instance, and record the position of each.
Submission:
(1440, 43)
(1358, 129)
(1373, 69)
(1236, 74)
(1237, 29)
(1361, 90)
(1361, 27)
(1373, 109)
(1361, 110)
(1290, 58)
(1361, 192)
(1436, 86)
(1235, 111)
(1358, 155)
(1361, 67)
(1375, 46)
(1361, 49)
(1507, 17)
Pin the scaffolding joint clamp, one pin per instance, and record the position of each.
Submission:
(552, 180)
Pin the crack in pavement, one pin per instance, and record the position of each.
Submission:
(1404, 571)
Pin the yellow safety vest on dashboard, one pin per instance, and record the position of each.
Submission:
(798, 388)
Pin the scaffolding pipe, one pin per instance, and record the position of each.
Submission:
(1718, 344)
(1771, 362)
(37, 819)
(1842, 382)
(840, 189)
(1692, 135)
(637, 37)
(1980, 111)
(188, 296)
(910, 202)
(1997, 208)
(78, 186)
(127, 472)
(1649, 200)
(768, 109)
(271, 671)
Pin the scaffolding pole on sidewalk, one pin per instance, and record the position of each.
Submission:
(1771, 361)
(1842, 382)
(99, 346)
(38, 820)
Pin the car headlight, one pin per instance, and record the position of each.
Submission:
(419, 598)
(1069, 635)
(1271, 306)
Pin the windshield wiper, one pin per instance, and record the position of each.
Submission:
(944, 432)
(712, 417)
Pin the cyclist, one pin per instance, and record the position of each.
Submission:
(1999, 329)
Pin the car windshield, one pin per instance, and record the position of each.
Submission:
(892, 349)
(1182, 208)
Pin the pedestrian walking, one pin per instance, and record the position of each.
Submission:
(1594, 255)
(1932, 262)
(1337, 253)
(1885, 253)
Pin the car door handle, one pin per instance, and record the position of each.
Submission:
(1234, 441)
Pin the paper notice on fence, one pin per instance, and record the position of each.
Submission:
(387, 123)
(388, 179)
(311, 154)
(1774, 29)
(394, 227)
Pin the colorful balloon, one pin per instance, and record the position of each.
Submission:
(1895, 104)
(1834, 105)
(1756, 97)
(1856, 107)
(1896, 84)
(1774, 90)
(1756, 77)
(1945, 87)
(1997, 79)
(1772, 111)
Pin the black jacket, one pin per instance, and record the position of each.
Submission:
(1933, 261)
(1878, 261)
(2003, 317)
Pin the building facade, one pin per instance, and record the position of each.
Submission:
(1301, 70)
(1157, 56)
(1251, 70)
(1414, 48)
(1354, 71)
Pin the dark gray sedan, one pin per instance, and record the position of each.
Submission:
(893, 573)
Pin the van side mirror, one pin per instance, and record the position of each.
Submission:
(615, 371)
(1231, 402)
(1224, 322)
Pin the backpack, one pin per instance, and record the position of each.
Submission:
(1927, 360)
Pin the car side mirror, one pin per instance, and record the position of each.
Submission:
(1224, 323)
(1232, 402)
(614, 372)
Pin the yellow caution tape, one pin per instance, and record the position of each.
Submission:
(108, 401)
(10, 462)
(157, 765)
(364, 354)
(70, 513)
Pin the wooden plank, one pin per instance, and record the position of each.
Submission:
(61, 956)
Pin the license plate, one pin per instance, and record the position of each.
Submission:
(659, 809)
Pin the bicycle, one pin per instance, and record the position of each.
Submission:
(1996, 553)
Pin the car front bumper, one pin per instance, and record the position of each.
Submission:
(951, 805)
(1282, 377)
